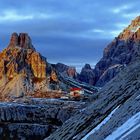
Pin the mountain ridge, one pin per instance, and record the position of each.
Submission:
(117, 55)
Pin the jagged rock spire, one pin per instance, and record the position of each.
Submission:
(22, 40)
(24, 69)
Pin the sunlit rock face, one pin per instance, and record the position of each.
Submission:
(132, 31)
(25, 72)
(38, 65)
(21, 55)
(20, 59)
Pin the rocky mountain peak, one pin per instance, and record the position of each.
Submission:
(20, 59)
(119, 53)
(22, 40)
(123, 50)
(87, 66)
(25, 72)
(132, 31)
(136, 21)
(87, 75)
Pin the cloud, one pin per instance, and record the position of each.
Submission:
(122, 8)
(98, 31)
(121, 25)
(59, 28)
(12, 15)
(131, 15)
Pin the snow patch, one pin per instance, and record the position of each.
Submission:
(135, 29)
(138, 97)
(101, 124)
(127, 128)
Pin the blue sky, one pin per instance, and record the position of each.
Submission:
(69, 31)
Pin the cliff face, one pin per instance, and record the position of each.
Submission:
(20, 57)
(21, 62)
(118, 54)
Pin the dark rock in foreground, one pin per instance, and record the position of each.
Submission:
(121, 91)
(34, 118)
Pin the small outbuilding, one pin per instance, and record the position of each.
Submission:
(75, 91)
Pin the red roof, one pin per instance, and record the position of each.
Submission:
(75, 88)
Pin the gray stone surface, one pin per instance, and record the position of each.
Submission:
(119, 91)
(29, 118)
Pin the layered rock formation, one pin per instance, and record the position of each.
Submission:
(20, 62)
(24, 72)
(114, 113)
(34, 118)
(118, 54)
(120, 95)
(20, 57)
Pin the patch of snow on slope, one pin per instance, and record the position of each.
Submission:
(127, 128)
(135, 29)
(138, 97)
(101, 124)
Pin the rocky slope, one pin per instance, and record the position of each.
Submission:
(121, 94)
(34, 118)
(26, 74)
(118, 54)
(27, 80)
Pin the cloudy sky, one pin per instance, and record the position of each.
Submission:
(69, 31)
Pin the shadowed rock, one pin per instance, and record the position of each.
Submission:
(119, 91)
(121, 51)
